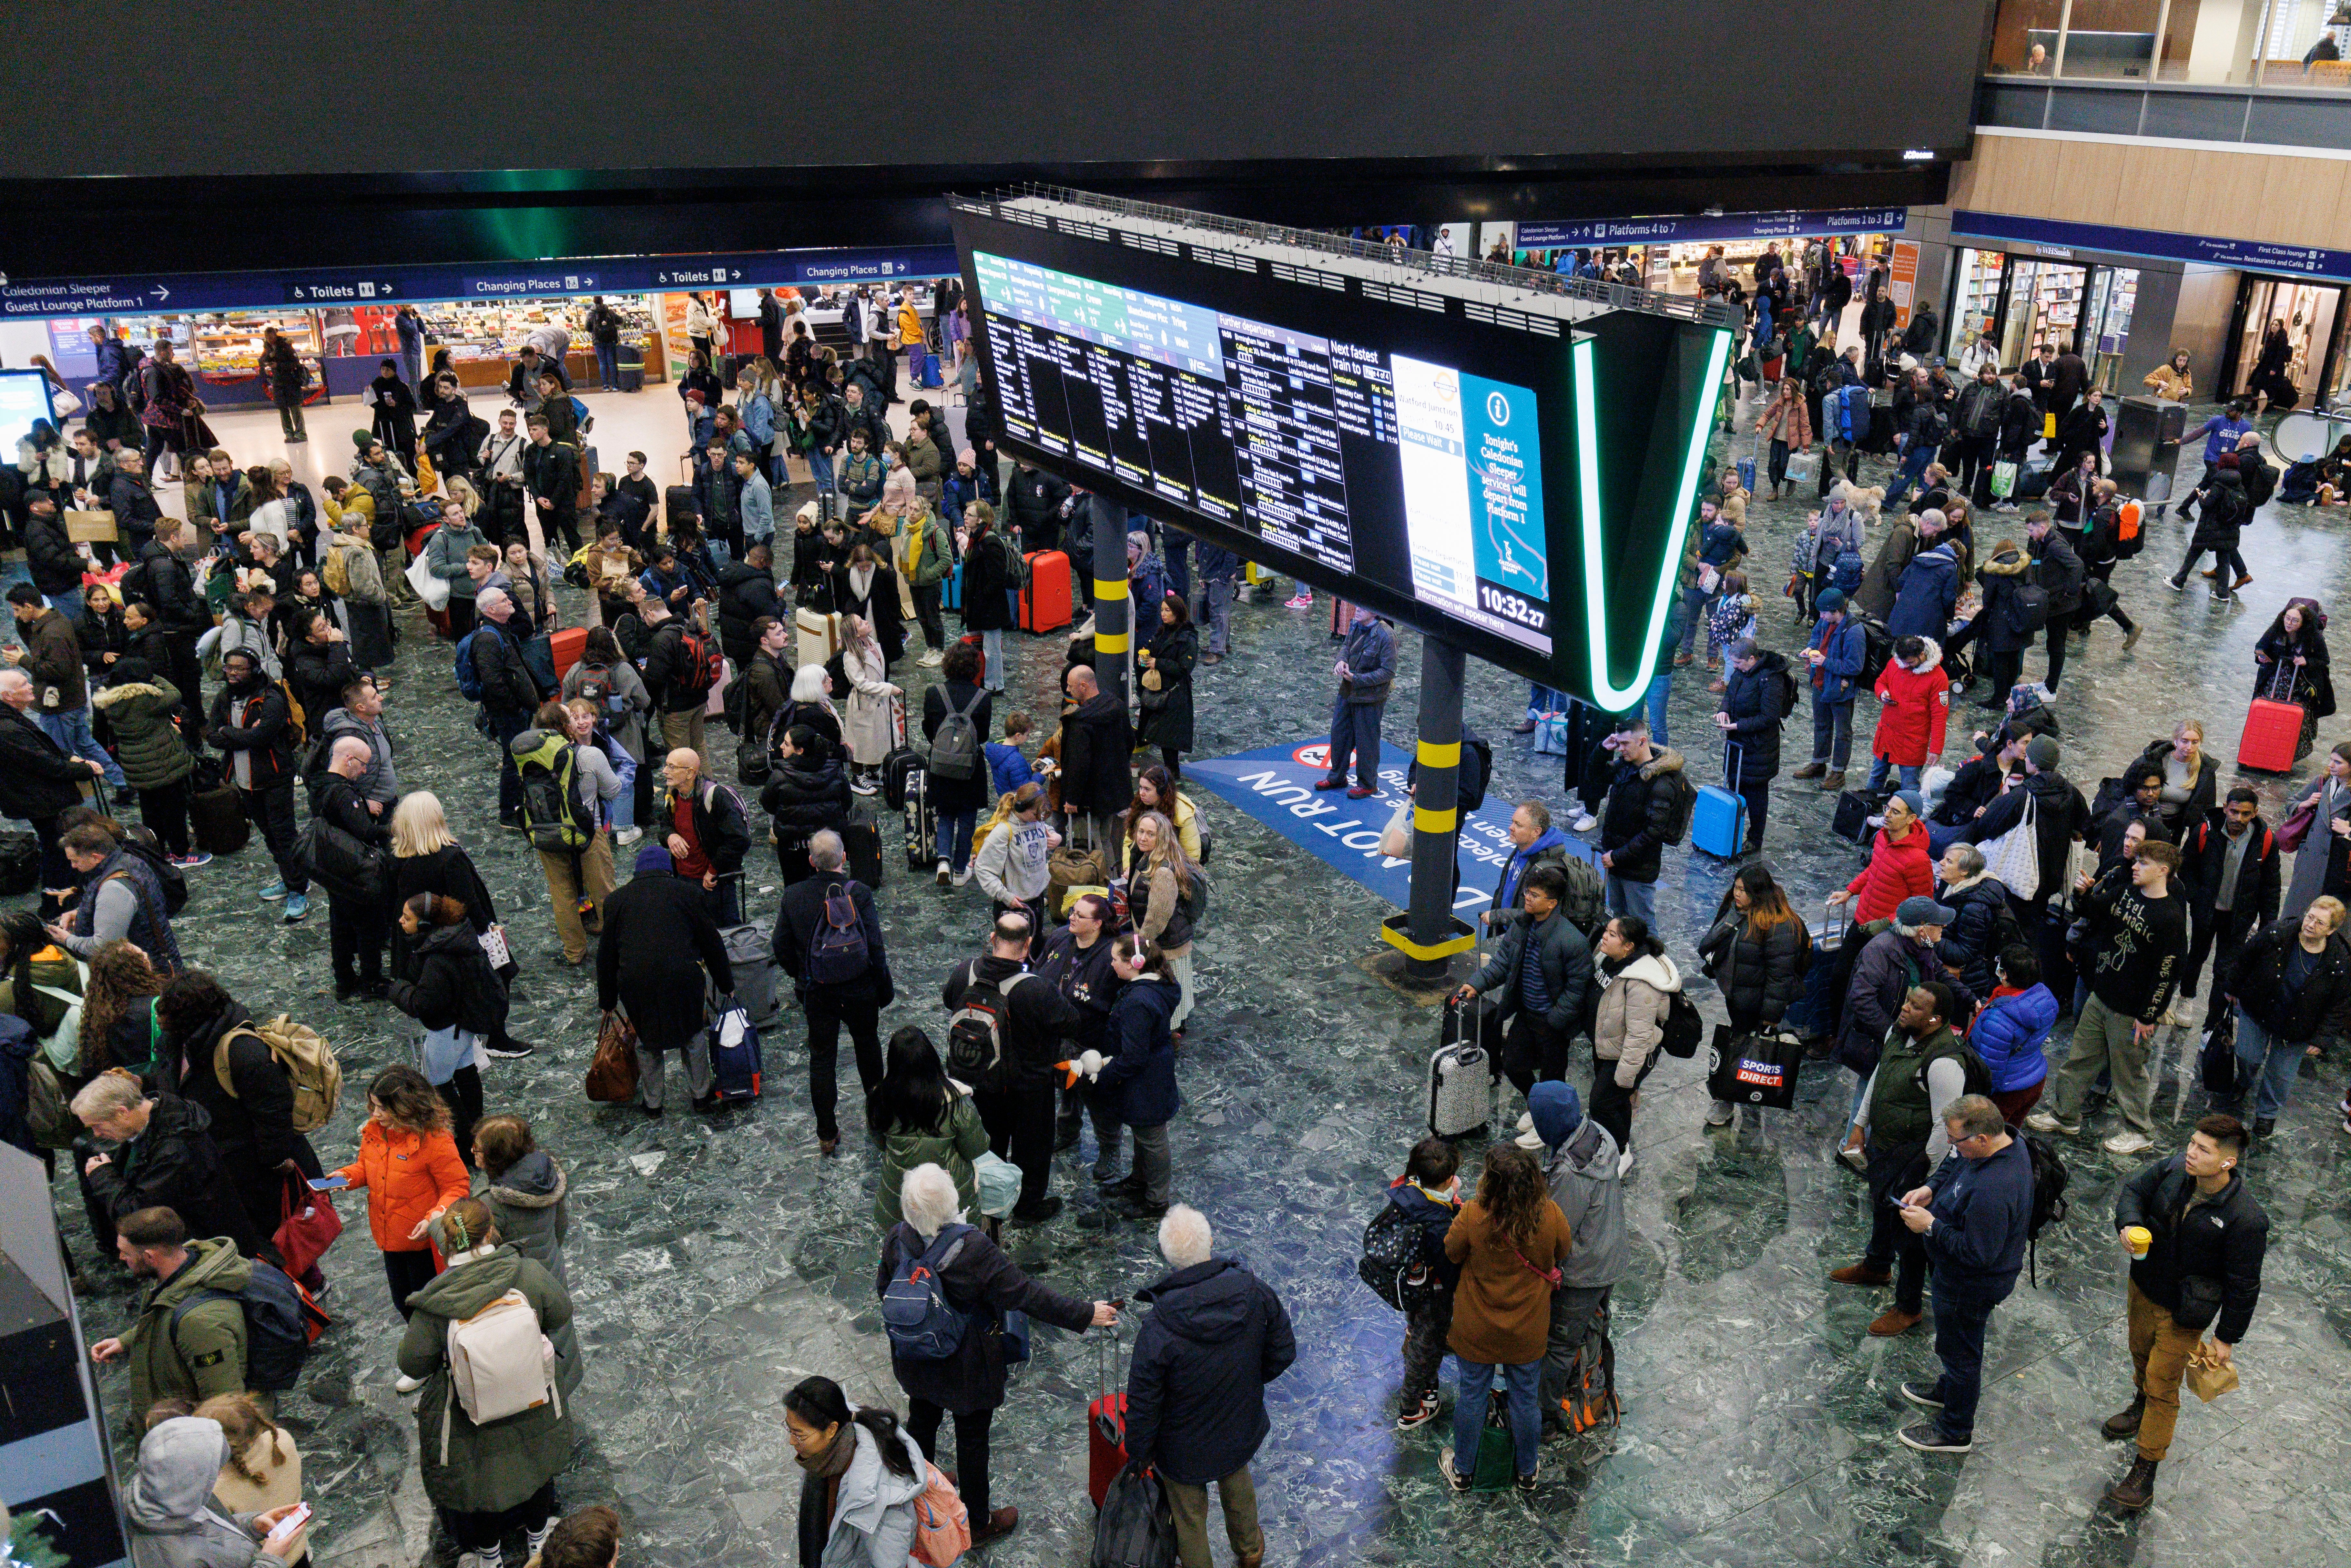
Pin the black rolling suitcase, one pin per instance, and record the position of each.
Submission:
(20, 864)
(863, 839)
(922, 827)
(678, 501)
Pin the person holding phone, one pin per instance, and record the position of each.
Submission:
(174, 1522)
(409, 1164)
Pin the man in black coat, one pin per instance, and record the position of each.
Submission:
(49, 556)
(358, 918)
(550, 473)
(510, 693)
(746, 591)
(1034, 504)
(658, 944)
(1096, 741)
(164, 1157)
(2059, 571)
(1195, 1388)
(252, 1117)
(855, 999)
(2201, 1266)
(1538, 1041)
(1034, 1023)
(1754, 707)
(137, 517)
(2231, 873)
(807, 794)
(2035, 376)
(252, 723)
(38, 780)
(164, 580)
(1634, 821)
(2060, 816)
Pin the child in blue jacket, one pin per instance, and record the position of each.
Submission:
(1429, 1194)
(1007, 768)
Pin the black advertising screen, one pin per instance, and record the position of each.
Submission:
(1388, 448)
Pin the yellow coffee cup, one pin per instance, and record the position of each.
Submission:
(2139, 1239)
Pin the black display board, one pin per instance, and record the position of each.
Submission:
(1514, 484)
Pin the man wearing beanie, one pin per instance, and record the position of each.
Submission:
(2060, 818)
(2137, 945)
(658, 943)
(1835, 657)
(1579, 1159)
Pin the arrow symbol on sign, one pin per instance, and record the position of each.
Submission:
(739, 277)
(162, 292)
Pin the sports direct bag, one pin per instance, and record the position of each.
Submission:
(1752, 1070)
(501, 1364)
(923, 1324)
(308, 1061)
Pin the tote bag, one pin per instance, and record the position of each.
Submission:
(2014, 857)
(433, 590)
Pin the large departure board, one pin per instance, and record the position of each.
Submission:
(1518, 483)
(1340, 452)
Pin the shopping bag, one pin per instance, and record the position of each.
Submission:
(495, 948)
(612, 1071)
(1752, 1070)
(304, 1232)
(1803, 467)
(2209, 1378)
(2004, 480)
(433, 590)
(1396, 839)
(2014, 857)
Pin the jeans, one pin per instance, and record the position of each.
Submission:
(412, 367)
(1524, 1382)
(1355, 732)
(1962, 1312)
(1218, 592)
(826, 1013)
(1188, 1508)
(2105, 1039)
(71, 730)
(1881, 770)
(991, 647)
(1629, 897)
(1661, 687)
(271, 809)
(956, 829)
(821, 470)
(923, 1419)
(1833, 732)
(1915, 459)
(2264, 1058)
(1694, 602)
(2224, 561)
(608, 366)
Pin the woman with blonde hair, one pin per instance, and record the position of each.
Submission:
(1160, 887)
(427, 858)
(2191, 780)
(461, 490)
(871, 725)
(264, 1469)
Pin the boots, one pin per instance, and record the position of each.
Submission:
(2125, 1423)
(1809, 770)
(1834, 782)
(2136, 1490)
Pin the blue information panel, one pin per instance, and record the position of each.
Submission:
(24, 398)
(152, 293)
(2051, 237)
(1703, 227)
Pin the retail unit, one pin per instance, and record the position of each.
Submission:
(2020, 301)
(483, 336)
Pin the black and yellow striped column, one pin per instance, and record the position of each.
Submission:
(1427, 933)
(1113, 613)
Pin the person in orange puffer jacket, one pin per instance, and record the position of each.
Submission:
(410, 1165)
(1917, 696)
(1898, 867)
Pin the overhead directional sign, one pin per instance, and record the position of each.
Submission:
(152, 293)
(1709, 226)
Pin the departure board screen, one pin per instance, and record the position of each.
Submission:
(1362, 460)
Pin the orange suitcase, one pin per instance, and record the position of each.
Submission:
(1045, 603)
(569, 646)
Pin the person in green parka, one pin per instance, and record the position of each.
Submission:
(920, 1116)
(492, 1479)
(139, 711)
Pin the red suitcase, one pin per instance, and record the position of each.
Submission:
(1105, 1423)
(569, 646)
(1045, 603)
(1343, 616)
(2272, 738)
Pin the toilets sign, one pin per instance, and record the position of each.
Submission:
(1275, 784)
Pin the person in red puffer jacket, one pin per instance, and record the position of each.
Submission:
(1917, 696)
(1898, 865)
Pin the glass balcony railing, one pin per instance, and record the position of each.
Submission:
(2276, 44)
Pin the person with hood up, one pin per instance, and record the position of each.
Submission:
(164, 1158)
(1914, 698)
(1929, 589)
(1579, 1160)
(2002, 635)
(1135, 1085)
(862, 1477)
(1835, 657)
(169, 1504)
(979, 1281)
(2011, 1033)
(1195, 1387)
(1754, 708)
(485, 1480)
(658, 941)
(1428, 1194)
(189, 1339)
(1636, 985)
(524, 1193)
(458, 1000)
(1755, 954)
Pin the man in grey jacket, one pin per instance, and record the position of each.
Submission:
(1366, 669)
(1580, 1165)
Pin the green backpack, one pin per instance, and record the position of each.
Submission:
(550, 796)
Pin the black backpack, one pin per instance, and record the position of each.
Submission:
(2049, 1204)
(1394, 1263)
(277, 1325)
(2260, 483)
(1876, 650)
(1684, 1027)
(1790, 692)
(976, 1051)
(1476, 773)
(1684, 803)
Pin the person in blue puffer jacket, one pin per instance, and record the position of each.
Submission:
(1138, 1079)
(2011, 1031)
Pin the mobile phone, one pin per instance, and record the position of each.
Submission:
(285, 1528)
(330, 1184)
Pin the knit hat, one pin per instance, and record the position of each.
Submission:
(1910, 798)
(1557, 1111)
(1919, 910)
(362, 439)
(966, 454)
(2042, 752)
(654, 857)
(1830, 601)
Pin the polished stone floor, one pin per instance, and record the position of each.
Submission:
(717, 1259)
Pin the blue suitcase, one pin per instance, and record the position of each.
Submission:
(734, 1057)
(1718, 823)
(951, 589)
(1747, 475)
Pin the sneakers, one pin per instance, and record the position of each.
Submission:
(1420, 1414)
(274, 892)
(2047, 1122)
(932, 660)
(1361, 792)
(1720, 1112)
(1928, 1438)
(963, 877)
(2174, 584)
(947, 874)
(1330, 783)
(1301, 599)
(404, 1384)
(1527, 1481)
(507, 1050)
(190, 863)
(1584, 822)
(1624, 1164)
(2129, 1141)
(536, 1538)
(1453, 1478)
(297, 908)
(628, 836)
(1855, 1157)
(1921, 1393)
(863, 784)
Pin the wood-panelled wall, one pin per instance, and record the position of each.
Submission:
(2271, 196)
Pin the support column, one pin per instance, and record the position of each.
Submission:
(1113, 614)
(1427, 933)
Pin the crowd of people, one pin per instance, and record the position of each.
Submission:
(188, 1122)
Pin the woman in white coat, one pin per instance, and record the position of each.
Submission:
(869, 727)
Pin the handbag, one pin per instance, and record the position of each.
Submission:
(1396, 839)
(304, 1233)
(538, 658)
(433, 590)
(494, 944)
(2014, 857)
(1752, 1070)
(2297, 825)
(2004, 480)
(612, 1071)
(2209, 1378)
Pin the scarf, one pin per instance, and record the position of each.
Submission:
(833, 1463)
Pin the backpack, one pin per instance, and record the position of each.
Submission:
(1845, 572)
(975, 1053)
(1394, 1264)
(942, 1523)
(1589, 1399)
(2049, 1204)
(706, 664)
(276, 1325)
(550, 796)
(1852, 416)
(1684, 803)
(1683, 1028)
(469, 684)
(581, 420)
(1876, 650)
(838, 951)
(140, 841)
(1976, 1076)
(501, 1363)
(1586, 902)
(134, 387)
(335, 574)
(1790, 693)
(955, 747)
(1477, 765)
(308, 1061)
(2025, 610)
(1937, 427)
(297, 721)
(2261, 484)
(2131, 531)
(921, 1323)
